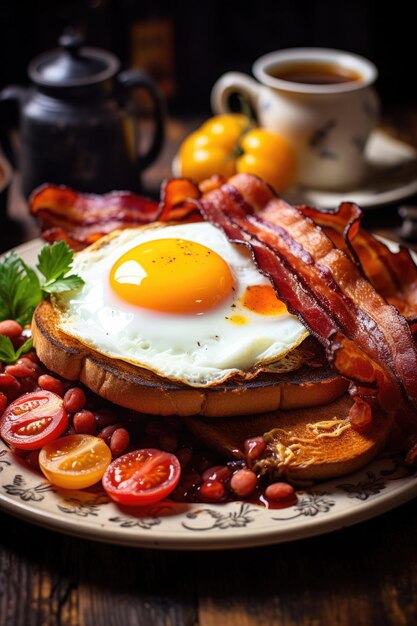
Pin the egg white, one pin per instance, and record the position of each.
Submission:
(197, 349)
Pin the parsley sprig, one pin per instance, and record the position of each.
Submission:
(7, 352)
(21, 290)
(54, 263)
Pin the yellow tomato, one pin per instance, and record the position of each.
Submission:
(75, 461)
(269, 156)
(210, 149)
(226, 129)
(199, 159)
(226, 144)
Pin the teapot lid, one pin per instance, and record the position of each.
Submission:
(72, 65)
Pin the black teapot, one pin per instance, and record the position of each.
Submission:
(77, 126)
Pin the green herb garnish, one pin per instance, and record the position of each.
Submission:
(20, 290)
(20, 287)
(7, 352)
(54, 262)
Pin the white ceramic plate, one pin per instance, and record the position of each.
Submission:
(391, 176)
(383, 485)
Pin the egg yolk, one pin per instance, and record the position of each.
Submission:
(172, 276)
(262, 299)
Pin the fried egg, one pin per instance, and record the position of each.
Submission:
(180, 300)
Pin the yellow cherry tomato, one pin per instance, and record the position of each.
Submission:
(269, 156)
(226, 129)
(75, 461)
(210, 149)
(198, 159)
(226, 145)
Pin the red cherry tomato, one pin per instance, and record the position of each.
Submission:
(33, 419)
(142, 476)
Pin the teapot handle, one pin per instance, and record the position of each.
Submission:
(12, 93)
(130, 79)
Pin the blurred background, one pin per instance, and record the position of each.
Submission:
(186, 46)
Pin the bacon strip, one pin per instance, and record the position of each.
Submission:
(80, 219)
(371, 342)
(393, 274)
(86, 217)
(178, 197)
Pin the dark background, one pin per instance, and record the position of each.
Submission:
(209, 38)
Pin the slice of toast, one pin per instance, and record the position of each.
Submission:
(142, 390)
(302, 444)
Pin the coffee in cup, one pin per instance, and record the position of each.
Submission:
(321, 100)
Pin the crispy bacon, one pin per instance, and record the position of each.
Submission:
(178, 197)
(84, 218)
(339, 280)
(80, 219)
(366, 339)
(393, 274)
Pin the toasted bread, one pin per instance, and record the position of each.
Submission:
(302, 444)
(140, 389)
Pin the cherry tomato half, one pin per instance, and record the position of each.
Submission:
(33, 419)
(75, 461)
(142, 476)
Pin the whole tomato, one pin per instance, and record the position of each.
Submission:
(228, 144)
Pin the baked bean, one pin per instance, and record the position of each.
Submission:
(27, 383)
(211, 491)
(277, 492)
(6, 380)
(32, 356)
(19, 370)
(217, 472)
(3, 402)
(119, 441)
(244, 482)
(50, 383)
(31, 364)
(10, 386)
(84, 422)
(254, 448)
(104, 418)
(10, 328)
(74, 400)
(107, 432)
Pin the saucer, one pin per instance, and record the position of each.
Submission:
(391, 176)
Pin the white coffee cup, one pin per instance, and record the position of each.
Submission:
(328, 124)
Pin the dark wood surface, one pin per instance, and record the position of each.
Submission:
(364, 575)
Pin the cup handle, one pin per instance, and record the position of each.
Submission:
(233, 82)
(130, 79)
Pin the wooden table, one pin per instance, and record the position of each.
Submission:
(362, 575)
